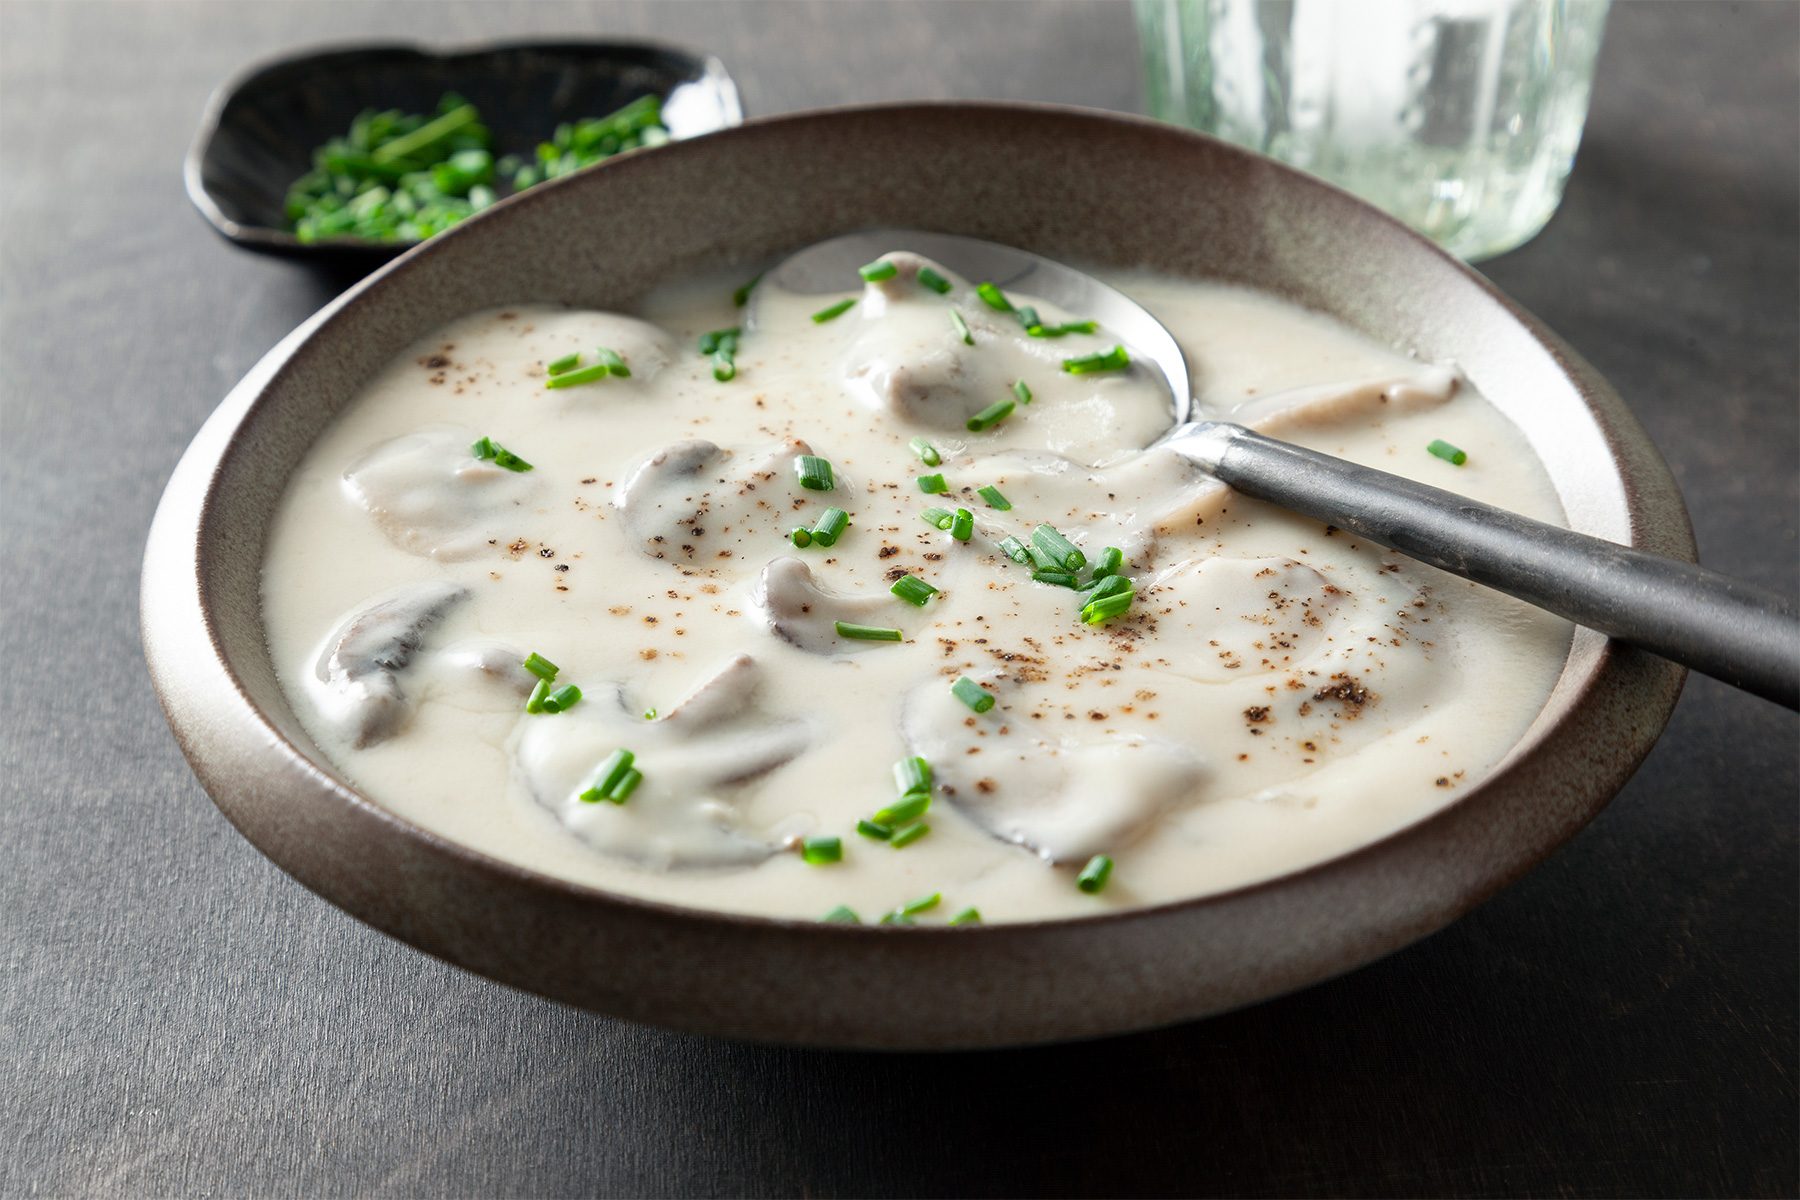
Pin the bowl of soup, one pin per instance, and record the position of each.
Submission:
(574, 603)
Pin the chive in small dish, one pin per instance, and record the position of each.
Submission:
(264, 131)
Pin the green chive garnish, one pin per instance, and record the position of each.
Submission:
(830, 525)
(913, 908)
(819, 851)
(741, 296)
(912, 775)
(711, 341)
(621, 791)
(926, 451)
(931, 279)
(587, 374)
(1056, 331)
(1028, 316)
(1014, 549)
(909, 807)
(540, 666)
(1041, 561)
(871, 829)
(1107, 360)
(1106, 585)
(831, 311)
(878, 270)
(897, 918)
(972, 694)
(534, 703)
(968, 916)
(937, 518)
(906, 835)
(1111, 559)
(867, 633)
(430, 133)
(814, 472)
(567, 362)
(722, 345)
(992, 495)
(962, 328)
(842, 915)
(1022, 391)
(488, 450)
(610, 774)
(1093, 877)
(962, 524)
(933, 485)
(996, 299)
(990, 416)
(1096, 611)
(1058, 548)
(1448, 453)
(614, 362)
(724, 369)
(562, 699)
(1058, 578)
(801, 537)
(913, 590)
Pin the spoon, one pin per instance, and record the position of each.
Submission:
(1744, 635)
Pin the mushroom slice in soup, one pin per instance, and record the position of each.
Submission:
(1066, 799)
(432, 497)
(646, 348)
(359, 671)
(792, 605)
(683, 814)
(697, 505)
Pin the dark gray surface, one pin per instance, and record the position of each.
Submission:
(176, 1017)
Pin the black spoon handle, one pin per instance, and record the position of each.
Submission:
(1733, 631)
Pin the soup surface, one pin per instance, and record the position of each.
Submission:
(1254, 693)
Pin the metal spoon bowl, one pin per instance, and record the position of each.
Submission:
(1733, 631)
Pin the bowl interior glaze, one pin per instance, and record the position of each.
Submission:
(1097, 188)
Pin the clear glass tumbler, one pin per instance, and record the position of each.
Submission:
(1460, 117)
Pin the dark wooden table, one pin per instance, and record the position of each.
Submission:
(177, 1017)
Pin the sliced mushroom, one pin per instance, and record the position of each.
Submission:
(1326, 405)
(693, 759)
(1064, 799)
(1237, 617)
(360, 669)
(790, 602)
(696, 505)
(431, 496)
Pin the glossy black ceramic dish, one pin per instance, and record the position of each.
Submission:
(260, 129)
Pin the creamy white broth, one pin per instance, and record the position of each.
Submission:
(1278, 693)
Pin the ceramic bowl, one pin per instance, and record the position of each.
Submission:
(260, 129)
(1102, 189)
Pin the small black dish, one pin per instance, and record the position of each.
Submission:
(260, 128)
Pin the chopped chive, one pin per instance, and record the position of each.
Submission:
(722, 345)
(830, 526)
(1107, 360)
(802, 537)
(1448, 453)
(878, 270)
(562, 699)
(926, 451)
(621, 791)
(1028, 316)
(567, 362)
(649, 714)
(814, 473)
(913, 590)
(990, 416)
(968, 916)
(962, 328)
(1056, 331)
(907, 808)
(931, 279)
(1109, 562)
(488, 450)
(1058, 547)
(608, 776)
(992, 495)
(972, 694)
(913, 908)
(933, 485)
(614, 362)
(1059, 578)
(906, 835)
(587, 374)
(1106, 585)
(874, 829)
(867, 633)
(1096, 611)
(484, 449)
(897, 918)
(1014, 549)
(996, 299)
(428, 134)
(534, 703)
(1093, 877)
(962, 524)
(741, 296)
(1022, 391)
(716, 338)
(832, 311)
(723, 368)
(938, 518)
(912, 775)
(540, 666)
(1039, 560)
(819, 851)
(843, 914)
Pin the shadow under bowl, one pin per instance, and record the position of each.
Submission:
(1102, 189)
